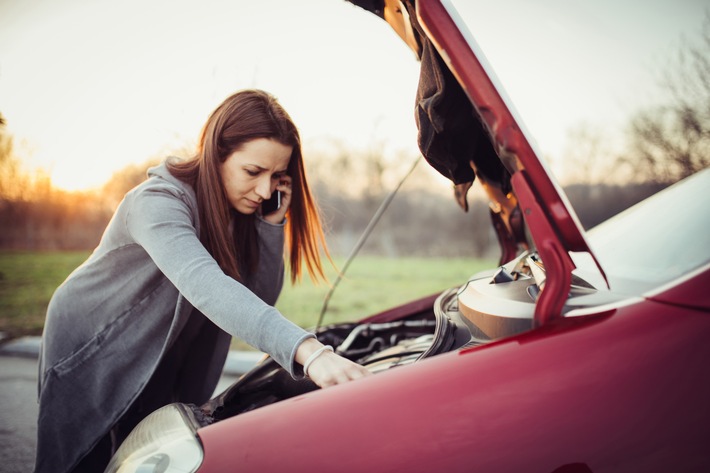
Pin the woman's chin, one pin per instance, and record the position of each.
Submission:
(246, 209)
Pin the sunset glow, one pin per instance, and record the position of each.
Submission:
(90, 87)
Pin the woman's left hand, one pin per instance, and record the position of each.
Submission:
(284, 186)
(327, 368)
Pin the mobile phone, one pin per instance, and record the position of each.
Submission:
(272, 204)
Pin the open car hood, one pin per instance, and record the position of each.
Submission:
(468, 130)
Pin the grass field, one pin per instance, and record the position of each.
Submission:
(372, 284)
(27, 281)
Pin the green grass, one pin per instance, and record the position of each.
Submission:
(371, 284)
(27, 282)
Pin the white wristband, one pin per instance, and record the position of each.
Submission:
(313, 357)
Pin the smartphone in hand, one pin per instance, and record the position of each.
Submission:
(272, 204)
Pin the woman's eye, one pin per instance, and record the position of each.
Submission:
(252, 173)
(277, 177)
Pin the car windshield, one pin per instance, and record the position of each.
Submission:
(658, 240)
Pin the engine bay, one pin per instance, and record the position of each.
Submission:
(489, 306)
(379, 346)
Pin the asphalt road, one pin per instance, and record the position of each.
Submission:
(18, 411)
(18, 414)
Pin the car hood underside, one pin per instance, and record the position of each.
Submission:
(468, 130)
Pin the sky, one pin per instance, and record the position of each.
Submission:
(90, 86)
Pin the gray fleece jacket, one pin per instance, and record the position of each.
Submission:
(124, 310)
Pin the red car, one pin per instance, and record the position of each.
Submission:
(582, 352)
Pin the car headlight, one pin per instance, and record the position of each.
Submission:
(164, 442)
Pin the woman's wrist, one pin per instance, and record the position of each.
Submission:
(328, 367)
(310, 350)
(306, 349)
(314, 356)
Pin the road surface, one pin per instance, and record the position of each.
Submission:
(18, 412)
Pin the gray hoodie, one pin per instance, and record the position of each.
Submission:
(121, 312)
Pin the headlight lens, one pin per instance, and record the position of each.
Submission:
(164, 442)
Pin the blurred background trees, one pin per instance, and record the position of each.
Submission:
(36, 215)
(664, 143)
(670, 141)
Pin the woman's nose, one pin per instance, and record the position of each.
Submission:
(263, 188)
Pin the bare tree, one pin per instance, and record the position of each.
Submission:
(124, 180)
(12, 179)
(672, 141)
(588, 156)
(5, 140)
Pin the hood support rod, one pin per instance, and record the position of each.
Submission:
(361, 241)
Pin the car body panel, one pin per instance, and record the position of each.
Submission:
(606, 392)
(691, 291)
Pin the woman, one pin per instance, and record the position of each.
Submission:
(187, 261)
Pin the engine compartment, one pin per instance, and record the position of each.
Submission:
(488, 307)
(379, 346)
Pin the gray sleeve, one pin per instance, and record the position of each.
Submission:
(162, 223)
(268, 280)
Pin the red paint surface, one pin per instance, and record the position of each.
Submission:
(621, 392)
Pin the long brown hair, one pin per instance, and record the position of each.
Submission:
(245, 116)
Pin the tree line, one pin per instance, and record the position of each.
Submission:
(419, 221)
(664, 143)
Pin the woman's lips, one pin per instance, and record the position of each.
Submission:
(251, 203)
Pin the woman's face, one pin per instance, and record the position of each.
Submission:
(251, 174)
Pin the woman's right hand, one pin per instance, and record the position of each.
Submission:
(284, 186)
(328, 368)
